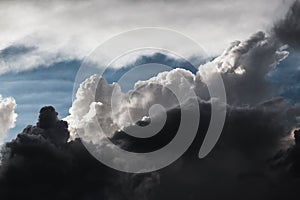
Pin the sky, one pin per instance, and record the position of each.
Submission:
(40, 38)
(44, 47)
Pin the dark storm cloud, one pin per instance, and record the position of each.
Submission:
(287, 32)
(41, 164)
(244, 163)
(241, 166)
(288, 29)
(288, 162)
(252, 159)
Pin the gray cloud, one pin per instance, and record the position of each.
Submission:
(288, 29)
(240, 166)
(255, 58)
(41, 164)
(93, 104)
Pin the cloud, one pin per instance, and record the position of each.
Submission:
(65, 30)
(36, 88)
(38, 164)
(251, 160)
(18, 58)
(240, 165)
(41, 164)
(95, 115)
(94, 103)
(7, 115)
(288, 29)
(287, 162)
(246, 65)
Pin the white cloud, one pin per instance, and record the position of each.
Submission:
(93, 103)
(72, 29)
(7, 116)
(255, 57)
(95, 115)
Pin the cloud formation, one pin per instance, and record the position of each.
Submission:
(242, 165)
(288, 29)
(41, 164)
(7, 115)
(243, 66)
(19, 57)
(251, 159)
(36, 88)
(64, 30)
(257, 156)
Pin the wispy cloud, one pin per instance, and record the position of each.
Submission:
(64, 30)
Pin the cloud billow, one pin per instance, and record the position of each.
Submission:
(256, 157)
(257, 132)
(243, 66)
(41, 164)
(38, 164)
(7, 116)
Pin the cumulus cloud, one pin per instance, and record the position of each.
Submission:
(245, 66)
(99, 102)
(101, 109)
(62, 30)
(256, 157)
(7, 115)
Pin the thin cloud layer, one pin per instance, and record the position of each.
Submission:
(65, 30)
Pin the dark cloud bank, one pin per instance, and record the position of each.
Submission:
(257, 156)
(41, 164)
(288, 29)
(248, 162)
